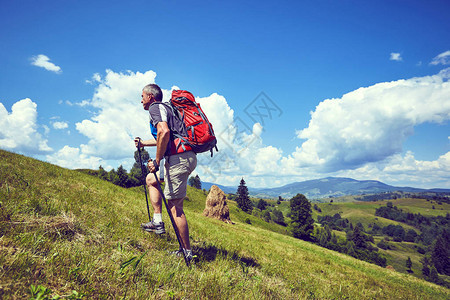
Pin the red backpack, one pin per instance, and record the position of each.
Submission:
(198, 134)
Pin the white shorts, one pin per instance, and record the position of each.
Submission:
(178, 167)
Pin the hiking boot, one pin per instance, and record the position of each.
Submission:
(152, 226)
(179, 253)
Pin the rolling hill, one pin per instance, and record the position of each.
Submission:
(70, 235)
(324, 188)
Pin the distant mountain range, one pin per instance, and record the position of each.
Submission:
(324, 188)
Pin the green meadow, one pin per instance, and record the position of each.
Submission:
(364, 213)
(68, 235)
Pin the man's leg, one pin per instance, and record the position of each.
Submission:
(155, 196)
(178, 168)
(176, 207)
(156, 225)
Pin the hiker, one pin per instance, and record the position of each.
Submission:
(177, 166)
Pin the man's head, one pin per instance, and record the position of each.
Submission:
(151, 93)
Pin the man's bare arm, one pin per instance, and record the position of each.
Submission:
(146, 143)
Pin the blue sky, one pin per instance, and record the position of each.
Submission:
(296, 90)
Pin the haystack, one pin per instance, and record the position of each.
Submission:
(216, 205)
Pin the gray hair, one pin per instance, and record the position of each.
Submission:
(155, 90)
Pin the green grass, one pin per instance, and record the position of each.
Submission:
(415, 205)
(360, 212)
(66, 231)
(364, 212)
(397, 256)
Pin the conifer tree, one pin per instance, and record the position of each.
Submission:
(195, 182)
(243, 200)
(136, 171)
(409, 264)
(266, 216)
(144, 156)
(278, 217)
(191, 181)
(135, 176)
(440, 255)
(112, 174)
(434, 277)
(198, 182)
(425, 267)
(261, 205)
(350, 248)
(302, 224)
(411, 235)
(122, 177)
(102, 174)
(357, 237)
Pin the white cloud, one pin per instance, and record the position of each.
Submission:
(442, 59)
(72, 158)
(120, 116)
(360, 135)
(396, 56)
(241, 150)
(96, 78)
(406, 170)
(83, 103)
(44, 62)
(18, 129)
(46, 129)
(370, 124)
(221, 116)
(60, 125)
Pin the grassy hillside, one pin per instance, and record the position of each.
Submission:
(66, 233)
(364, 213)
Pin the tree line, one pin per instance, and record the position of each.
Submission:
(120, 176)
(434, 236)
(439, 197)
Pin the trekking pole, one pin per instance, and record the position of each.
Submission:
(175, 228)
(142, 171)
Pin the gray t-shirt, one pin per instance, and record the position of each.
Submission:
(162, 112)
